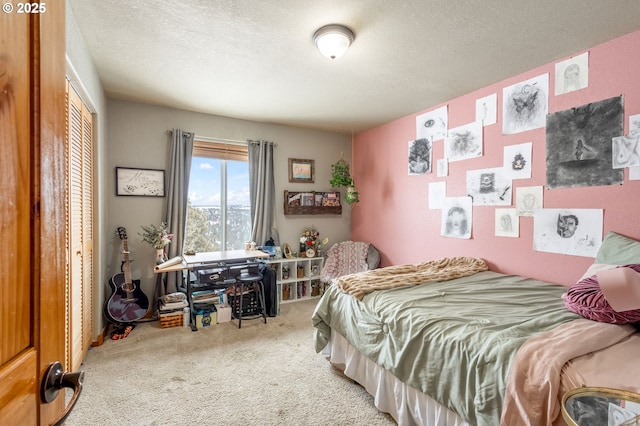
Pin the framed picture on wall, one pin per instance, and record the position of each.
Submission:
(141, 182)
(301, 171)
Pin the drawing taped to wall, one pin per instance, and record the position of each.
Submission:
(442, 167)
(517, 161)
(456, 217)
(489, 187)
(528, 200)
(437, 194)
(507, 223)
(625, 151)
(572, 74)
(487, 109)
(634, 125)
(568, 231)
(525, 105)
(464, 142)
(419, 156)
(432, 125)
(579, 147)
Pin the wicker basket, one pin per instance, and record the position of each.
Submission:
(171, 320)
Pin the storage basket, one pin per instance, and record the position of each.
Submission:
(249, 304)
(171, 320)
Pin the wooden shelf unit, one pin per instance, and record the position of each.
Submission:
(290, 209)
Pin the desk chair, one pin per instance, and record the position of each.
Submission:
(249, 277)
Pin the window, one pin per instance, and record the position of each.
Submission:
(218, 210)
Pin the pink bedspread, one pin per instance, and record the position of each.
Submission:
(533, 392)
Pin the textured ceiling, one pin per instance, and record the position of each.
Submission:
(255, 59)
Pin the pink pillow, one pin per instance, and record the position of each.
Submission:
(586, 299)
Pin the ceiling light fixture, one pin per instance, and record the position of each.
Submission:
(333, 40)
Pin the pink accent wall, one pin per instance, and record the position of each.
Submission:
(393, 213)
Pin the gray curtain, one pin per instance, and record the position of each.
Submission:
(177, 197)
(263, 192)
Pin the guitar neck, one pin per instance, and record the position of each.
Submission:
(128, 282)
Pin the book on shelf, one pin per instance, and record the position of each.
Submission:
(331, 199)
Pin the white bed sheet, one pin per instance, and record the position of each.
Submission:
(406, 405)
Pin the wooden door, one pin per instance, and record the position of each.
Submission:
(80, 229)
(32, 210)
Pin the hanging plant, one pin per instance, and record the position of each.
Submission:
(340, 177)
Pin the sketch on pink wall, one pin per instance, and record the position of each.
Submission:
(517, 161)
(634, 125)
(489, 187)
(456, 217)
(625, 151)
(568, 231)
(525, 105)
(419, 157)
(432, 125)
(464, 142)
(579, 148)
(507, 223)
(572, 74)
(487, 109)
(528, 199)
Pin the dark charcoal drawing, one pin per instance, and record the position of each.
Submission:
(579, 145)
(419, 157)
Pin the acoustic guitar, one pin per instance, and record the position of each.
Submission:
(127, 303)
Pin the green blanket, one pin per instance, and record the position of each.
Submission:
(452, 340)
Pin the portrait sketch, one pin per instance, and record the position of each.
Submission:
(507, 223)
(579, 148)
(575, 232)
(489, 187)
(572, 74)
(517, 161)
(456, 217)
(419, 156)
(464, 142)
(525, 105)
(487, 109)
(432, 125)
(625, 151)
(528, 200)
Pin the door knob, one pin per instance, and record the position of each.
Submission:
(55, 379)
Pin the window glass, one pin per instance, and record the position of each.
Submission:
(218, 210)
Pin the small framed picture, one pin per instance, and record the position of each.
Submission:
(143, 182)
(301, 171)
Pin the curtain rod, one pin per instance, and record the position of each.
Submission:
(228, 141)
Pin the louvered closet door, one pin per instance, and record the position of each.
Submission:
(80, 226)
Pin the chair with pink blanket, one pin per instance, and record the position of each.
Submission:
(349, 257)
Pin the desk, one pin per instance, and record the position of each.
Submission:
(203, 260)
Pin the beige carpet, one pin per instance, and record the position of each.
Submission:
(262, 374)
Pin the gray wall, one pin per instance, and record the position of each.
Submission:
(138, 138)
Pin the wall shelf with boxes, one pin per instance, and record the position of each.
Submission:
(297, 278)
(312, 202)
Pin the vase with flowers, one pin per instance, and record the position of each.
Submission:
(310, 243)
(158, 237)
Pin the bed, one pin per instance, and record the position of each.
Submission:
(457, 348)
